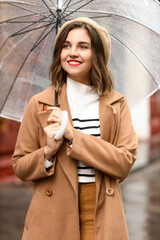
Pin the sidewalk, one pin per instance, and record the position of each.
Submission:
(141, 194)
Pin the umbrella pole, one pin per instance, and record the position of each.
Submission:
(59, 21)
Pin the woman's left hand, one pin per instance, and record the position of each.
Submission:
(56, 117)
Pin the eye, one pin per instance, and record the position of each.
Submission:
(83, 47)
(65, 45)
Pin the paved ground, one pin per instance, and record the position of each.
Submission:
(141, 194)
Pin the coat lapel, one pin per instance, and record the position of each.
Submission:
(108, 115)
(106, 119)
(62, 100)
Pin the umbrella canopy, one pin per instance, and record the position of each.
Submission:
(28, 29)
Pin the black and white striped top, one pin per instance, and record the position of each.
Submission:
(84, 106)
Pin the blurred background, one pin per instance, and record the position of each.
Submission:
(141, 190)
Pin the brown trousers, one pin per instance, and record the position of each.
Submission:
(87, 207)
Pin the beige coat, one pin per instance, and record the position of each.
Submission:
(53, 213)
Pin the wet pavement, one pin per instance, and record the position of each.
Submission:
(141, 195)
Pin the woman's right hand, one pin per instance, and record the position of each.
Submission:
(52, 145)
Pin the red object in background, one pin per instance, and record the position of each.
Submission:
(155, 113)
(8, 135)
(155, 126)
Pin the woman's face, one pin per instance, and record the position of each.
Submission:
(76, 55)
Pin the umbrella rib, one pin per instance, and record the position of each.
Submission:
(16, 44)
(66, 7)
(8, 20)
(39, 40)
(52, 3)
(23, 65)
(64, 10)
(76, 9)
(110, 14)
(26, 3)
(30, 30)
(35, 45)
(11, 20)
(65, 2)
(14, 81)
(135, 57)
(26, 9)
(76, 3)
(41, 20)
(48, 8)
(34, 22)
(24, 16)
(19, 32)
(21, 2)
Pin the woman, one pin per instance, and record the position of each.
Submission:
(77, 194)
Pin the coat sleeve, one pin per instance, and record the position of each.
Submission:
(28, 157)
(114, 160)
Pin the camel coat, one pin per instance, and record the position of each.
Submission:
(53, 213)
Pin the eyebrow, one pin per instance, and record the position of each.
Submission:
(82, 42)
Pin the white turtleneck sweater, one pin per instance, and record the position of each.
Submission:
(84, 106)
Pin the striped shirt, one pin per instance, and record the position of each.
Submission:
(84, 106)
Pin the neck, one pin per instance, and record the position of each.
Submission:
(83, 80)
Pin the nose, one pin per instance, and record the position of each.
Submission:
(74, 52)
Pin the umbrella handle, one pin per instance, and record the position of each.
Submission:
(60, 134)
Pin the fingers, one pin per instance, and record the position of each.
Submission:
(54, 119)
(52, 108)
(55, 116)
(69, 131)
(52, 145)
(52, 129)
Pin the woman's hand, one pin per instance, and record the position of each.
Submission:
(52, 145)
(56, 117)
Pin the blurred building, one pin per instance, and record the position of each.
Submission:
(155, 126)
(146, 120)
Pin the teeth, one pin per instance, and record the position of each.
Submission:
(74, 63)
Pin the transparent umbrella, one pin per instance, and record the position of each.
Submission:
(28, 29)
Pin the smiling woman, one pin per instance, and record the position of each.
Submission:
(77, 194)
(99, 74)
(76, 56)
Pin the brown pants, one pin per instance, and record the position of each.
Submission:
(87, 207)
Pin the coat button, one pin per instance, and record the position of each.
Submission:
(109, 191)
(49, 192)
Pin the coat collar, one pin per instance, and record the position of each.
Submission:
(47, 96)
(106, 102)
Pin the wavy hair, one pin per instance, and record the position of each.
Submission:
(100, 76)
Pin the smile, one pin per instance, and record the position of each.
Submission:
(74, 63)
